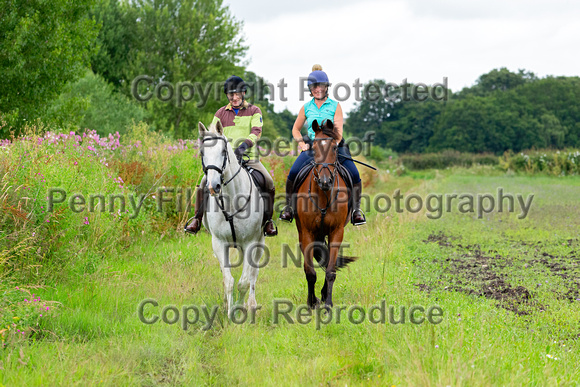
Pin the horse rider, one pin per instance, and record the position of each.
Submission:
(321, 108)
(242, 123)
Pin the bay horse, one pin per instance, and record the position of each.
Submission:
(322, 211)
(233, 214)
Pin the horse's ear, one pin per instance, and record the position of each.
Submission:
(201, 128)
(329, 124)
(315, 126)
(219, 128)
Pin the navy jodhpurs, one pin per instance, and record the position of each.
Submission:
(307, 156)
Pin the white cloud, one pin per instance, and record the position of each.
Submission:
(420, 40)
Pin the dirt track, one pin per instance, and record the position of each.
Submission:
(485, 273)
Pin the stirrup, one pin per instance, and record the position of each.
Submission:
(290, 211)
(187, 224)
(275, 228)
(358, 223)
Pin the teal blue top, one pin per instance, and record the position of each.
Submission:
(312, 112)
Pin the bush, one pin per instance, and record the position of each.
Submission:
(34, 238)
(92, 103)
(380, 154)
(559, 163)
(22, 314)
(445, 159)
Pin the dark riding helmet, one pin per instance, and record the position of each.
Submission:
(234, 84)
(317, 76)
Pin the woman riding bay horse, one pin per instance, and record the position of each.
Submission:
(321, 108)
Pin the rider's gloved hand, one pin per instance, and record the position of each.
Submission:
(307, 143)
(241, 150)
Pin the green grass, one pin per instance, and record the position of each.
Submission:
(95, 337)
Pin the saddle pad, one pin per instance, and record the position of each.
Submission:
(305, 172)
(302, 175)
(258, 178)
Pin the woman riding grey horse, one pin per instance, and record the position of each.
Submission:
(242, 123)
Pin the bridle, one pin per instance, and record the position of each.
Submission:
(316, 174)
(220, 198)
(226, 159)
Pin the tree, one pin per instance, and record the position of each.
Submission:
(498, 80)
(410, 127)
(171, 42)
(43, 45)
(116, 39)
(275, 124)
(504, 110)
(93, 103)
(558, 96)
(400, 122)
(370, 113)
(474, 124)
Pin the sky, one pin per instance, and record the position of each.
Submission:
(421, 41)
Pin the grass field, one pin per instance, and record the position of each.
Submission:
(508, 287)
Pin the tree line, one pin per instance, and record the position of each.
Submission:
(70, 65)
(504, 110)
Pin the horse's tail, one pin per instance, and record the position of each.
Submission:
(342, 261)
(321, 253)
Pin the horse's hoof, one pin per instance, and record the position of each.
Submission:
(324, 310)
(251, 306)
(315, 304)
(237, 312)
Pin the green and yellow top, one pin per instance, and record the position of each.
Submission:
(245, 124)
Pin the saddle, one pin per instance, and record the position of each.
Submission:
(258, 178)
(305, 172)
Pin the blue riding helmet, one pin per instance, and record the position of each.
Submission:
(317, 76)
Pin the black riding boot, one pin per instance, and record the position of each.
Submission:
(200, 198)
(269, 226)
(287, 213)
(358, 217)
